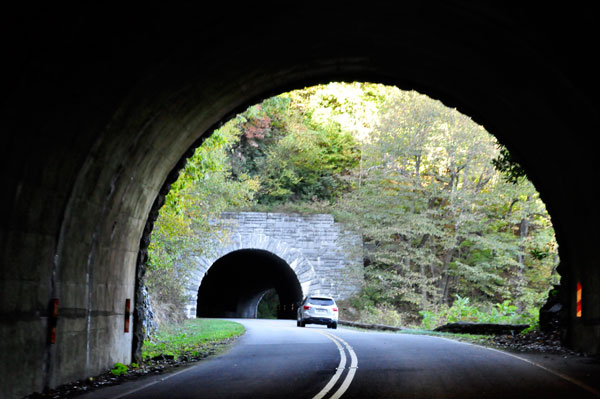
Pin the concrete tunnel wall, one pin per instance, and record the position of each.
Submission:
(99, 105)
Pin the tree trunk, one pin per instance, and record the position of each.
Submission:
(523, 233)
(422, 269)
(423, 289)
(445, 277)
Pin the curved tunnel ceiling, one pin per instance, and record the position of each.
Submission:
(235, 283)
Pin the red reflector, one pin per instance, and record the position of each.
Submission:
(53, 320)
(54, 308)
(127, 314)
(335, 309)
(306, 307)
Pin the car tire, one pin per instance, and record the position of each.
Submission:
(333, 325)
(301, 323)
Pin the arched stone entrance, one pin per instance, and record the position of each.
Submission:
(236, 282)
(257, 245)
(325, 257)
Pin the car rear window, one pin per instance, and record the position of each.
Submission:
(321, 301)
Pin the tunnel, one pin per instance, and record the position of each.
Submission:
(234, 285)
(101, 107)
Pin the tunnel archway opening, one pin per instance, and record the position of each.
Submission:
(246, 304)
(268, 305)
(448, 294)
(235, 284)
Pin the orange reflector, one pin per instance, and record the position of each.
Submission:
(127, 313)
(578, 299)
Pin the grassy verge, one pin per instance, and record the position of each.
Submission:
(174, 346)
(193, 338)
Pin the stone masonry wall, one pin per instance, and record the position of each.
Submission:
(326, 258)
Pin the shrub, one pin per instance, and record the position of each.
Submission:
(119, 369)
(382, 314)
(462, 310)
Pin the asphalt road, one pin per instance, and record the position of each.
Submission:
(276, 359)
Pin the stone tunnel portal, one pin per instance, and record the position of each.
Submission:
(236, 282)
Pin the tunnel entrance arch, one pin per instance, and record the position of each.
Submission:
(236, 282)
(281, 258)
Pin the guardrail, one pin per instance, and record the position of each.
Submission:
(460, 327)
(381, 327)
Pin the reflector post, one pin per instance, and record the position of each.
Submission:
(579, 299)
(127, 314)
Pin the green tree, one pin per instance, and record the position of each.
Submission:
(295, 157)
(438, 218)
(184, 229)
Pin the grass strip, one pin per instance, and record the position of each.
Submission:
(191, 339)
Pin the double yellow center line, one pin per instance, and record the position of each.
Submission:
(341, 344)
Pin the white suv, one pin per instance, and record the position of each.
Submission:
(318, 309)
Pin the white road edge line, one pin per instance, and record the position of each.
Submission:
(150, 383)
(339, 371)
(553, 372)
(556, 373)
(351, 372)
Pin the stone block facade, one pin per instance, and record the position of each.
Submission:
(326, 257)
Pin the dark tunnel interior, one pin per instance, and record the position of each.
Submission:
(234, 285)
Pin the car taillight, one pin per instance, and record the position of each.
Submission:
(306, 307)
(335, 309)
